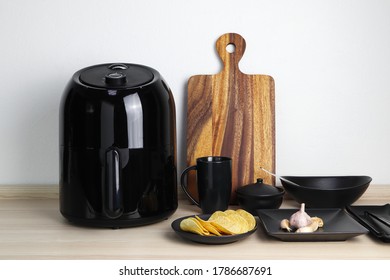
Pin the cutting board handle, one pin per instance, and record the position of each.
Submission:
(230, 59)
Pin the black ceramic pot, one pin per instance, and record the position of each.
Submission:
(259, 196)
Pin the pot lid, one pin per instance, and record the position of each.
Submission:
(118, 75)
(258, 189)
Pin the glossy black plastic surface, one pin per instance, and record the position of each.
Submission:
(117, 148)
(116, 75)
(326, 191)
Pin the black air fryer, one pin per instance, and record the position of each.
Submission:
(117, 147)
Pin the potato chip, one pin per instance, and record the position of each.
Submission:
(229, 212)
(217, 214)
(208, 226)
(231, 224)
(248, 217)
(225, 225)
(240, 221)
(192, 225)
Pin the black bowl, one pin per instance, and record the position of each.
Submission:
(267, 201)
(326, 191)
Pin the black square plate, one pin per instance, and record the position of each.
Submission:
(338, 225)
(378, 229)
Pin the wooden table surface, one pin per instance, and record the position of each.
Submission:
(31, 227)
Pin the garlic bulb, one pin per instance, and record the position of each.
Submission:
(300, 218)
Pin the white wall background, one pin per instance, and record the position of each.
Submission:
(330, 60)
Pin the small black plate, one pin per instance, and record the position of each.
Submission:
(225, 239)
(338, 225)
(378, 229)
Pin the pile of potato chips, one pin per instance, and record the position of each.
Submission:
(220, 223)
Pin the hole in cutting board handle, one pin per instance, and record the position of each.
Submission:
(232, 56)
(230, 48)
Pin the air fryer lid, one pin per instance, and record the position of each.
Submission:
(116, 75)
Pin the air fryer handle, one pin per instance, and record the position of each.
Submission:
(112, 192)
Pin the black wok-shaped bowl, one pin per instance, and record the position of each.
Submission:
(326, 191)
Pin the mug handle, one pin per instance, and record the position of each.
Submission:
(183, 185)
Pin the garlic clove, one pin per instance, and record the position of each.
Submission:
(314, 225)
(304, 230)
(318, 220)
(310, 228)
(300, 218)
(285, 224)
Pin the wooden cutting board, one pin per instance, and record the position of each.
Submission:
(232, 114)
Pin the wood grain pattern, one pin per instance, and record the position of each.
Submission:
(232, 114)
(32, 228)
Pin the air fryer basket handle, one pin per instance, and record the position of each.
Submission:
(112, 192)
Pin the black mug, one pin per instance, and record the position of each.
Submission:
(214, 183)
